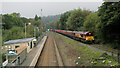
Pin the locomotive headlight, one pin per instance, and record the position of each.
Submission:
(87, 38)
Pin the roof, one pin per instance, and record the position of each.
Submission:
(20, 49)
(18, 41)
(80, 32)
(69, 31)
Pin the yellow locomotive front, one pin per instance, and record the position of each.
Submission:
(89, 37)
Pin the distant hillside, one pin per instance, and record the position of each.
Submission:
(50, 19)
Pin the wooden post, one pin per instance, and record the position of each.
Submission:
(119, 57)
(112, 54)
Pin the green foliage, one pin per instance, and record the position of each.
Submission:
(30, 31)
(36, 17)
(11, 20)
(105, 60)
(110, 18)
(76, 20)
(49, 19)
(13, 33)
(63, 20)
(72, 20)
(3, 57)
(94, 58)
(14, 27)
(91, 22)
(52, 25)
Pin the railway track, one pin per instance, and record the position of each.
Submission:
(50, 55)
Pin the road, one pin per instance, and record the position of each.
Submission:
(48, 56)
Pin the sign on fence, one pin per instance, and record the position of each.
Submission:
(5, 63)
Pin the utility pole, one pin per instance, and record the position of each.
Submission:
(1, 43)
(25, 27)
(34, 32)
(41, 18)
(25, 30)
(41, 13)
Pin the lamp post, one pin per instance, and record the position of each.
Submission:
(34, 32)
(25, 27)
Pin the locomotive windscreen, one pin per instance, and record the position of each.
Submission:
(89, 34)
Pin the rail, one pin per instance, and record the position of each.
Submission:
(60, 62)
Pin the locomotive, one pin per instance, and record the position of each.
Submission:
(78, 35)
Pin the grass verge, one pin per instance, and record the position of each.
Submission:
(86, 56)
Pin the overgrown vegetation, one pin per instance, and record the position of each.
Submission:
(85, 56)
(88, 57)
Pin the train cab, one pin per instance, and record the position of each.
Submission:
(89, 36)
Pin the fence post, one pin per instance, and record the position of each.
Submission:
(119, 57)
(112, 54)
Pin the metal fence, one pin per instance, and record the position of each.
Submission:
(43, 34)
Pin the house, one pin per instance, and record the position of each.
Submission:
(13, 44)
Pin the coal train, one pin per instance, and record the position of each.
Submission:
(77, 35)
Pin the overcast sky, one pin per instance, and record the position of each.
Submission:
(51, 0)
(49, 7)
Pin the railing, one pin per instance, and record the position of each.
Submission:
(43, 34)
(15, 62)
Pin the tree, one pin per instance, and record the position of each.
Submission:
(39, 18)
(36, 18)
(13, 19)
(91, 22)
(14, 26)
(8, 21)
(109, 14)
(13, 33)
(63, 19)
(76, 19)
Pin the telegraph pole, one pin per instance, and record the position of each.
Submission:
(41, 19)
(41, 13)
(34, 32)
(25, 30)
(0, 43)
(25, 27)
